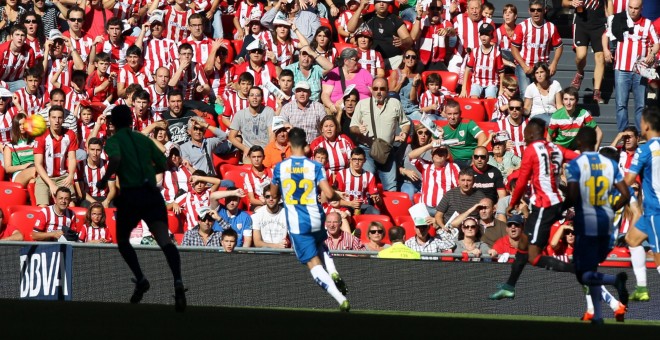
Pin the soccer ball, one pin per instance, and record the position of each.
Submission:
(35, 125)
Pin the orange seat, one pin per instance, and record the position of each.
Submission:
(472, 109)
(24, 221)
(363, 226)
(12, 194)
(372, 217)
(489, 104)
(449, 79)
(396, 205)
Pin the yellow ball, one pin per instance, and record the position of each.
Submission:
(35, 125)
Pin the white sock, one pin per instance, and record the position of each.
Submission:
(610, 299)
(590, 303)
(324, 280)
(658, 269)
(327, 260)
(638, 259)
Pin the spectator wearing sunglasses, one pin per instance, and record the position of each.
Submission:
(469, 241)
(514, 124)
(203, 235)
(502, 156)
(376, 235)
(411, 177)
(487, 178)
(507, 245)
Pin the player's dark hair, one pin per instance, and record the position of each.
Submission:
(174, 93)
(55, 108)
(246, 76)
(121, 116)
(63, 189)
(633, 129)
(142, 94)
(397, 233)
(651, 116)
(357, 151)
(56, 92)
(467, 171)
(95, 141)
(286, 73)
(297, 137)
(134, 50)
(256, 148)
(610, 152)
(537, 125)
(571, 91)
(114, 21)
(78, 74)
(321, 151)
(586, 137)
(229, 232)
(101, 56)
(185, 46)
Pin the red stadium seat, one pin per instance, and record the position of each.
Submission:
(409, 227)
(24, 221)
(30, 190)
(396, 205)
(232, 158)
(238, 45)
(231, 54)
(449, 79)
(486, 127)
(341, 46)
(417, 198)
(340, 38)
(326, 23)
(29, 208)
(80, 217)
(2, 173)
(178, 238)
(11, 194)
(224, 168)
(398, 220)
(174, 222)
(364, 230)
(489, 105)
(407, 23)
(371, 217)
(236, 176)
(111, 223)
(621, 252)
(472, 109)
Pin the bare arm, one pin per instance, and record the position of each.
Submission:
(233, 139)
(356, 19)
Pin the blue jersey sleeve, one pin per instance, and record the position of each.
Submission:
(618, 174)
(276, 175)
(319, 173)
(573, 171)
(640, 158)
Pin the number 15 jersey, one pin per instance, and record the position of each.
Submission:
(298, 178)
(596, 176)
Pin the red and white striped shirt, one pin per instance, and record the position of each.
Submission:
(255, 184)
(503, 38)
(370, 60)
(53, 67)
(189, 204)
(619, 6)
(201, 49)
(635, 46)
(190, 78)
(339, 151)
(5, 126)
(220, 78)
(90, 176)
(13, 65)
(436, 181)
(283, 50)
(141, 122)
(233, 103)
(36, 47)
(486, 67)
(261, 77)
(50, 221)
(126, 8)
(90, 233)
(541, 164)
(534, 42)
(244, 10)
(85, 130)
(83, 45)
(159, 102)
(128, 76)
(117, 52)
(429, 99)
(31, 103)
(468, 32)
(56, 151)
(159, 53)
(432, 46)
(515, 134)
(173, 180)
(498, 113)
(344, 18)
(176, 23)
(73, 98)
(358, 188)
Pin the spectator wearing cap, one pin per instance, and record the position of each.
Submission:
(391, 37)
(60, 59)
(253, 123)
(303, 112)
(256, 33)
(487, 178)
(347, 74)
(203, 235)
(368, 58)
(310, 67)
(484, 68)
(231, 217)
(398, 250)
(306, 22)
(197, 151)
(279, 148)
(502, 157)
(509, 244)
(259, 67)
(186, 205)
(431, 29)
(245, 10)
(391, 123)
(438, 175)
(491, 229)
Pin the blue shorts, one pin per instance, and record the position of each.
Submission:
(306, 245)
(490, 91)
(590, 251)
(650, 225)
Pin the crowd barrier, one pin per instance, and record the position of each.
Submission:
(267, 279)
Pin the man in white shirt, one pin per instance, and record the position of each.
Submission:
(269, 228)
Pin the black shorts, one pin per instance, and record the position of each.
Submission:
(539, 223)
(135, 204)
(590, 251)
(584, 36)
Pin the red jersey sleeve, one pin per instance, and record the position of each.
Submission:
(73, 146)
(341, 184)
(371, 187)
(40, 145)
(556, 39)
(470, 61)
(568, 154)
(529, 162)
(517, 36)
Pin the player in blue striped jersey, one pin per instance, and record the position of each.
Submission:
(298, 178)
(591, 179)
(646, 163)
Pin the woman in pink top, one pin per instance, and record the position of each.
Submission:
(332, 92)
